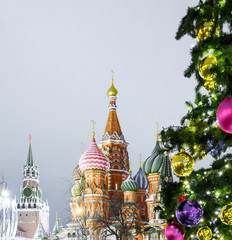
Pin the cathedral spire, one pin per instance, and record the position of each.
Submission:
(113, 130)
(30, 161)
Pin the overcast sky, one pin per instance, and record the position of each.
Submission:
(56, 58)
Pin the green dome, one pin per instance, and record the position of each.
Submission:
(77, 188)
(129, 185)
(154, 162)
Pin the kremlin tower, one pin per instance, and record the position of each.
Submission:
(32, 210)
(114, 146)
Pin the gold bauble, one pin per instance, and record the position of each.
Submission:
(226, 214)
(182, 164)
(205, 31)
(210, 85)
(205, 65)
(204, 233)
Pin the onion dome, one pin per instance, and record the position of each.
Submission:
(112, 91)
(76, 189)
(94, 158)
(154, 162)
(76, 173)
(141, 179)
(129, 185)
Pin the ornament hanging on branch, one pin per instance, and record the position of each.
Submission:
(189, 213)
(224, 115)
(173, 232)
(205, 31)
(204, 233)
(182, 197)
(205, 67)
(226, 214)
(182, 164)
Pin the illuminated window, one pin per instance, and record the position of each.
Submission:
(116, 186)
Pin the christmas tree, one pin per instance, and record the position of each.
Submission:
(206, 128)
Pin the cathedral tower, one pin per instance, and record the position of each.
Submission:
(114, 147)
(30, 207)
(94, 165)
(143, 184)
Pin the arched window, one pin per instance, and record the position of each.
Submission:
(116, 186)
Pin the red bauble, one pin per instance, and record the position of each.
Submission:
(182, 198)
(224, 115)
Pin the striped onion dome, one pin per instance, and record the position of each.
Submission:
(129, 185)
(154, 162)
(76, 173)
(94, 158)
(141, 179)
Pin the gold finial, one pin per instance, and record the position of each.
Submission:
(140, 162)
(112, 91)
(82, 144)
(56, 215)
(157, 135)
(93, 128)
(30, 138)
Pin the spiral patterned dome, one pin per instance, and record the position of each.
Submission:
(154, 162)
(141, 179)
(94, 158)
(76, 173)
(129, 185)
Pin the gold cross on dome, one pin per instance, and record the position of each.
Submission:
(82, 144)
(93, 128)
(112, 74)
(157, 131)
(129, 167)
(140, 162)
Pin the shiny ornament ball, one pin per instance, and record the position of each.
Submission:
(205, 67)
(224, 115)
(226, 214)
(204, 233)
(189, 213)
(182, 164)
(209, 85)
(173, 232)
(205, 31)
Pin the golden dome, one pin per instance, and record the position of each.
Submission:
(112, 91)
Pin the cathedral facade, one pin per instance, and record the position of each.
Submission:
(108, 202)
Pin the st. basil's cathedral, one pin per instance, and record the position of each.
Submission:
(103, 179)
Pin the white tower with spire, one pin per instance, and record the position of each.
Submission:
(31, 208)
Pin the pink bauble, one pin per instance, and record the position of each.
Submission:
(224, 115)
(173, 232)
